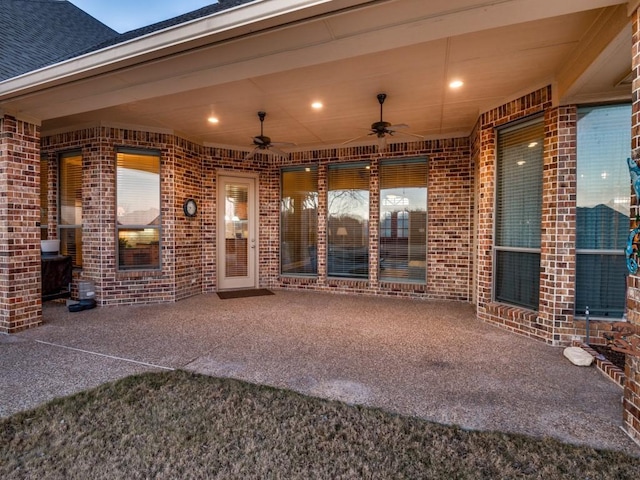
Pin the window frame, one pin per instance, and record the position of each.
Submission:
(399, 224)
(498, 249)
(609, 253)
(60, 227)
(335, 257)
(118, 227)
(313, 262)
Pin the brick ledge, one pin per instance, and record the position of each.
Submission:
(607, 368)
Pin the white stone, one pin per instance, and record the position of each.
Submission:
(578, 356)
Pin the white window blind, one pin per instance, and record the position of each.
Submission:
(602, 213)
(518, 214)
(348, 220)
(70, 206)
(299, 221)
(138, 209)
(403, 220)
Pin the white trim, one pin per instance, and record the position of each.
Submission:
(254, 229)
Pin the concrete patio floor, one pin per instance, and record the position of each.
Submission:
(429, 359)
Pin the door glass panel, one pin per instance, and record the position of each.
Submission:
(236, 230)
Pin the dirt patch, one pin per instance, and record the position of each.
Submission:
(617, 358)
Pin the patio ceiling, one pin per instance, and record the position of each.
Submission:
(341, 53)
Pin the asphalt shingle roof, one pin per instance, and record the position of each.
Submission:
(38, 33)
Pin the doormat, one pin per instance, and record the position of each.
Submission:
(253, 292)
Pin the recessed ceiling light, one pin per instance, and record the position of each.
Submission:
(317, 105)
(213, 119)
(533, 144)
(456, 84)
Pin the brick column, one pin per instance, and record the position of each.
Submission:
(374, 223)
(557, 248)
(486, 191)
(20, 287)
(632, 386)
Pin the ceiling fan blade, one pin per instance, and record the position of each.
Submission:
(421, 137)
(356, 138)
(282, 144)
(258, 141)
(251, 153)
(398, 126)
(277, 151)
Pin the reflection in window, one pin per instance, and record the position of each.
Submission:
(403, 220)
(519, 214)
(602, 214)
(138, 209)
(236, 219)
(70, 207)
(348, 220)
(299, 221)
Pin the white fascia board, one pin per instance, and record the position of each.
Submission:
(223, 25)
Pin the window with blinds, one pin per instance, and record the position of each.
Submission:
(44, 199)
(403, 220)
(518, 214)
(70, 206)
(299, 221)
(348, 220)
(138, 209)
(602, 213)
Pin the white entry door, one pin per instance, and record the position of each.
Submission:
(237, 233)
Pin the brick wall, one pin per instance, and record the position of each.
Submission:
(558, 232)
(516, 319)
(20, 304)
(449, 228)
(632, 368)
(189, 253)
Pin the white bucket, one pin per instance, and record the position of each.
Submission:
(49, 247)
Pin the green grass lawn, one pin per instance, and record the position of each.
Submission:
(179, 425)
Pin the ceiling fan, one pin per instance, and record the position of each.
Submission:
(383, 129)
(264, 143)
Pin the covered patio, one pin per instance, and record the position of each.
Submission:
(378, 148)
(430, 359)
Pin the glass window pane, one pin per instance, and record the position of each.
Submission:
(348, 221)
(519, 186)
(602, 214)
(518, 278)
(236, 218)
(70, 207)
(601, 285)
(138, 210)
(138, 248)
(299, 221)
(403, 220)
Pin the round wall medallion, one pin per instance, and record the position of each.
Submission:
(190, 207)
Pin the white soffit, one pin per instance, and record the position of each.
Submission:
(373, 26)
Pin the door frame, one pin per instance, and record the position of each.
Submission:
(253, 261)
